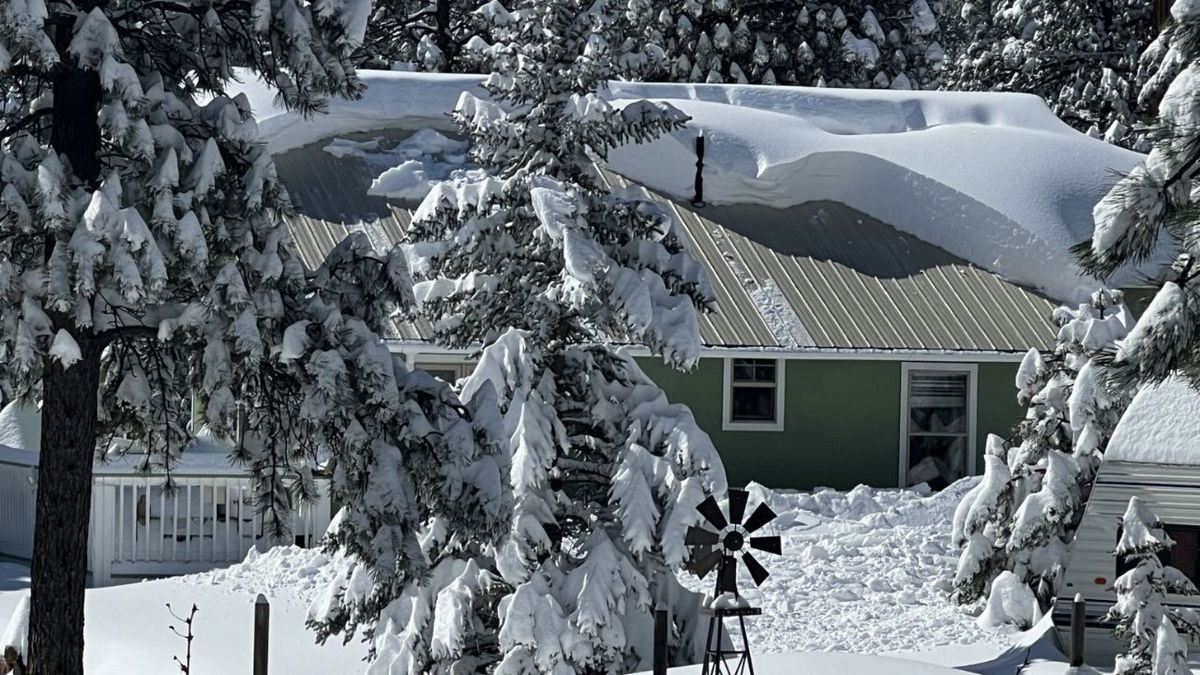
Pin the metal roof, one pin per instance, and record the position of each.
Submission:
(816, 276)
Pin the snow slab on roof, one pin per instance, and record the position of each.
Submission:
(1161, 426)
(996, 179)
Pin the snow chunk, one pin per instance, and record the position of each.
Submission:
(1010, 602)
(65, 349)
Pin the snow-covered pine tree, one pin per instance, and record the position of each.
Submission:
(1154, 207)
(548, 269)
(1072, 413)
(1140, 612)
(433, 35)
(144, 265)
(981, 527)
(848, 43)
(1082, 56)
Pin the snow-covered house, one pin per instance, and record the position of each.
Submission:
(882, 260)
(1154, 454)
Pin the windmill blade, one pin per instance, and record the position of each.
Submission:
(737, 505)
(769, 544)
(761, 516)
(756, 570)
(705, 564)
(727, 579)
(711, 510)
(698, 536)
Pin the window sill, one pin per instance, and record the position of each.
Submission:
(751, 426)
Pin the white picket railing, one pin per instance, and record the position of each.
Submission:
(140, 529)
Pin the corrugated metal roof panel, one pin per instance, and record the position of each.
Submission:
(846, 280)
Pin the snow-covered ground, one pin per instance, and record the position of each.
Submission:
(127, 626)
(997, 179)
(863, 571)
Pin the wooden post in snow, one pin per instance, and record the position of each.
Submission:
(660, 642)
(262, 630)
(1077, 627)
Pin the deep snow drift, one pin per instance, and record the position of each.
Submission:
(863, 571)
(994, 178)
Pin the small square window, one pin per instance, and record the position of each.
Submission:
(752, 394)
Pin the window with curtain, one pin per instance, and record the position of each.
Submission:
(938, 428)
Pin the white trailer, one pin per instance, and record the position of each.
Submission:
(1155, 455)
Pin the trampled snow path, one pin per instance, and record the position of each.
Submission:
(864, 571)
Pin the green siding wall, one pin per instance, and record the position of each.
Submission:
(841, 420)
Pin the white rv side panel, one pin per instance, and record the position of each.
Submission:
(1172, 492)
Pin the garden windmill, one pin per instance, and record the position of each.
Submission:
(729, 540)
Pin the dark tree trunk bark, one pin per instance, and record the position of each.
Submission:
(444, 40)
(69, 401)
(64, 500)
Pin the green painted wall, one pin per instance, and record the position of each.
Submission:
(841, 420)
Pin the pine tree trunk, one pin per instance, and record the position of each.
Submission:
(69, 400)
(64, 499)
(443, 38)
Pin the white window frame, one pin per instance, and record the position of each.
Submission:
(971, 370)
(727, 423)
(457, 364)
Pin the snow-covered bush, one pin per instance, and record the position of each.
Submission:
(1010, 603)
(1140, 613)
(1082, 56)
(981, 525)
(1072, 413)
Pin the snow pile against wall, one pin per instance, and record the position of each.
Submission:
(994, 178)
(1161, 426)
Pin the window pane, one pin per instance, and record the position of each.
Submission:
(937, 402)
(936, 460)
(754, 370)
(743, 369)
(753, 404)
(764, 371)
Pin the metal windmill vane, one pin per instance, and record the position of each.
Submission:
(732, 539)
(729, 540)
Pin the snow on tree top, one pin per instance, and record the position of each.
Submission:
(1160, 426)
(996, 179)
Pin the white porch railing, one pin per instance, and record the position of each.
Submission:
(140, 529)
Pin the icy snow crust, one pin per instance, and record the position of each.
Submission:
(996, 179)
(1161, 426)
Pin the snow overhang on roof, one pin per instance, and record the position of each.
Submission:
(1160, 426)
(817, 277)
(995, 179)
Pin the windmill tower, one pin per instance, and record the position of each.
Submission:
(721, 547)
